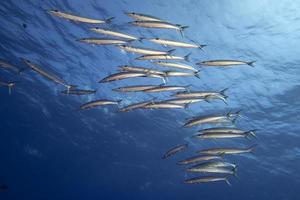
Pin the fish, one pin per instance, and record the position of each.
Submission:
(134, 88)
(159, 24)
(175, 150)
(227, 130)
(9, 85)
(7, 66)
(142, 17)
(166, 88)
(223, 151)
(177, 73)
(128, 68)
(145, 51)
(101, 102)
(175, 65)
(206, 179)
(220, 170)
(162, 105)
(214, 164)
(229, 117)
(103, 41)
(175, 43)
(164, 57)
(202, 94)
(225, 63)
(222, 135)
(114, 33)
(45, 74)
(75, 18)
(78, 92)
(200, 158)
(184, 101)
(125, 75)
(136, 106)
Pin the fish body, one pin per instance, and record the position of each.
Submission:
(142, 17)
(206, 179)
(125, 75)
(220, 170)
(162, 57)
(175, 43)
(103, 41)
(135, 106)
(225, 63)
(200, 158)
(222, 151)
(97, 103)
(175, 65)
(145, 51)
(163, 105)
(127, 68)
(135, 88)
(77, 18)
(184, 101)
(178, 73)
(220, 135)
(174, 151)
(221, 164)
(222, 130)
(78, 92)
(157, 24)
(202, 94)
(114, 33)
(165, 88)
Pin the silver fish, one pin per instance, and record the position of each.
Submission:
(225, 63)
(78, 92)
(162, 105)
(103, 41)
(214, 164)
(222, 151)
(184, 101)
(222, 135)
(227, 130)
(165, 88)
(101, 102)
(175, 150)
(135, 106)
(145, 51)
(142, 17)
(163, 57)
(77, 18)
(159, 24)
(114, 33)
(128, 68)
(202, 94)
(134, 88)
(9, 85)
(175, 43)
(177, 73)
(125, 75)
(206, 179)
(200, 158)
(220, 170)
(175, 65)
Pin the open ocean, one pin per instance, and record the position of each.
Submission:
(49, 150)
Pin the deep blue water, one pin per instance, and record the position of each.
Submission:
(49, 150)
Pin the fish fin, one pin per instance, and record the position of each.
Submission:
(171, 51)
(181, 29)
(188, 88)
(197, 74)
(251, 133)
(187, 57)
(140, 39)
(252, 148)
(11, 85)
(108, 20)
(222, 92)
(227, 181)
(201, 47)
(251, 63)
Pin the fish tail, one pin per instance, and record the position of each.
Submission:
(171, 51)
(252, 148)
(222, 92)
(197, 74)
(201, 47)
(251, 63)
(140, 39)
(227, 181)
(181, 29)
(187, 57)
(251, 133)
(108, 20)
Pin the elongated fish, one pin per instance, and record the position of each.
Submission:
(200, 93)
(7, 66)
(125, 75)
(78, 92)
(206, 179)
(103, 41)
(175, 150)
(114, 33)
(166, 88)
(9, 85)
(221, 151)
(162, 105)
(175, 43)
(177, 73)
(226, 130)
(128, 68)
(220, 170)
(225, 63)
(77, 18)
(163, 57)
(145, 51)
(197, 159)
(136, 106)
(158, 24)
(142, 17)
(134, 88)
(184, 101)
(42, 72)
(222, 135)
(215, 164)
(229, 117)
(101, 102)
(175, 65)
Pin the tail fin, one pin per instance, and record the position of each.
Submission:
(171, 51)
(197, 74)
(108, 20)
(187, 57)
(181, 29)
(140, 39)
(227, 181)
(251, 63)
(251, 148)
(222, 92)
(251, 133)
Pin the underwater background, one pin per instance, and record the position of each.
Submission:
(50, 150)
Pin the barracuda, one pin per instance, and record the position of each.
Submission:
(126, 75)
(175, 150)
(225, 63)
(128, 68)
(175, 43)
(221, 151)
(144, 50)
(163, 57)
(97, 103)
(166, 88)
(134, 88)
(175, 65)
(142, 17)
(206, 179)
(103, 41)
(114, 33)
(200, 158)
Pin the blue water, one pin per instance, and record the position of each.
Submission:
(49, 150)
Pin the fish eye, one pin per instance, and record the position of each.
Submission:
(55, 10)
(133, 13)
(157, 38)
